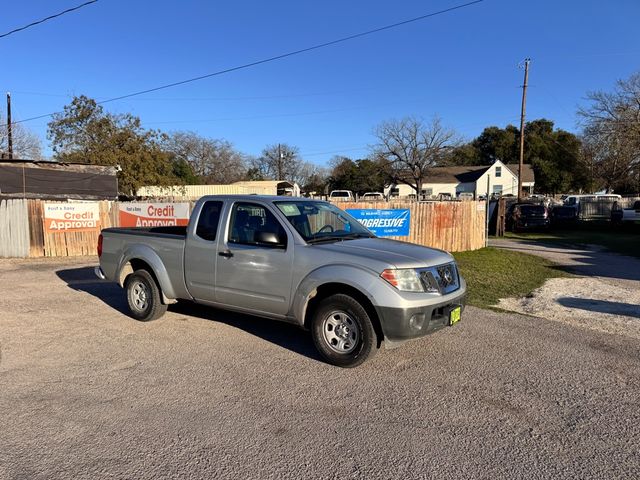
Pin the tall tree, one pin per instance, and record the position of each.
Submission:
(26, 144)
(611, 131)
(213, 161)
(410, 147)
(84, 133)
(279, 162)
(359, 176)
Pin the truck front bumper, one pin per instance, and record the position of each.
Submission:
(405, 323)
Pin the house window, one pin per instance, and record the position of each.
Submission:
(497, 189)
(498, 172)
(427, 192)
(395, 192)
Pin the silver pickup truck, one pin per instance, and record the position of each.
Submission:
(302, 261)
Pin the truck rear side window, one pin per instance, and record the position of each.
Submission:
(208, 220)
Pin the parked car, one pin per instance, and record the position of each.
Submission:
(527, 216)
(373, 196)
(342, 196)
(465, 196)
(626, 215)
(301, 261)
(563, 215)
(444, 197)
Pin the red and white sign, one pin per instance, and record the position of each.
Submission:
(153, 214)
(71, 217)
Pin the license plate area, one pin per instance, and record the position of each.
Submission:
(454, 315)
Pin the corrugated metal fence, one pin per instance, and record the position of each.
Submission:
(14, 228)
(451, 226)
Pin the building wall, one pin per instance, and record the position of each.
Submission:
(507, 181)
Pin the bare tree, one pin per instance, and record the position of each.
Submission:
(212, 160)
(26, 144)
(611, 131)
(279, 162)
(410, 147)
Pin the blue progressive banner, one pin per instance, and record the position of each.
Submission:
(382, 222)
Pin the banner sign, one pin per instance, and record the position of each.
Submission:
(153, 214)
(71, 217)
(384, 223)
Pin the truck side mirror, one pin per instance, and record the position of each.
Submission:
(269, 239)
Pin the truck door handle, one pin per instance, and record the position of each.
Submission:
(226, 253)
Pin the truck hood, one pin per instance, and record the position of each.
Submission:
(395, 253)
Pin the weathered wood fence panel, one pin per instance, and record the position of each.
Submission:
(451, 226)
(14, 228)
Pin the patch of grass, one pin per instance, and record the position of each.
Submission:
(618, 239)
(492, 274)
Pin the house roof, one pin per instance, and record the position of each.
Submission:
(463, 174)
(527, 172)
(471, 173)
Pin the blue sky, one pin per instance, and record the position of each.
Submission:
(462, 66)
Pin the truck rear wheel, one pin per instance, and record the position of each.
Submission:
(342, 331)
(143, 296)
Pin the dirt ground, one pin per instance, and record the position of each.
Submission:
(604, 295)
(87, 392)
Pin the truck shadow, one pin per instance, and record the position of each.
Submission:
(601, 306)
(279, 333)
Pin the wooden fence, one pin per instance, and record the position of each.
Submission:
(451, 226)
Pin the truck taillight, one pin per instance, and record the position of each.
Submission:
(100, 245)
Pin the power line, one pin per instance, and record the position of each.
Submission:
(274, 58)
(50, 17)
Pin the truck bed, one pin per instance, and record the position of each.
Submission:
(177, 231)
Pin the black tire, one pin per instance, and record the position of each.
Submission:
(349, 350)
(144, 297)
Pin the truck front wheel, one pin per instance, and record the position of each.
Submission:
(143, 296)
(342, 331)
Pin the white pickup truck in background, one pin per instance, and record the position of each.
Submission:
(626, 215)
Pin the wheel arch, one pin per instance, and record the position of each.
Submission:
(330, 288)
(140, 259)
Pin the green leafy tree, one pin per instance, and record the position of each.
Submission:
(359, 176)
(555, 155)
(85, 133)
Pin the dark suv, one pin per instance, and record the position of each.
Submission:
(527, 216)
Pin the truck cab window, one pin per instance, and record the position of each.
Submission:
(208, 221)
(248, 219)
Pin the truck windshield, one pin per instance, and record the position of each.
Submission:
(320, 221)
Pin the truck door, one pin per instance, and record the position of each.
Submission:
(201, 252)
(251, 274)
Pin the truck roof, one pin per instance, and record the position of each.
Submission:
(261, 198)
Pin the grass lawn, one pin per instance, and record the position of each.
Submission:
(625, 241)
(492, 273)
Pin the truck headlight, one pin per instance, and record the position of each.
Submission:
(404, 279)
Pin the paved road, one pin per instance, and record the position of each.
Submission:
(85, 392)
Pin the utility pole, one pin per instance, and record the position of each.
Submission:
(279, 163)
(522, 114)
(9, 132)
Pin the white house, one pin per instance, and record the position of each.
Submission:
(451, 181)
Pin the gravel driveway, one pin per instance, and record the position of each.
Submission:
(605, 296)
(86, 392)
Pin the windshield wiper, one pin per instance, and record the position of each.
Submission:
(331, 238)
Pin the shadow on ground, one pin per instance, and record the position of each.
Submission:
(582, 260)
(602, 306)
(279, 333)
